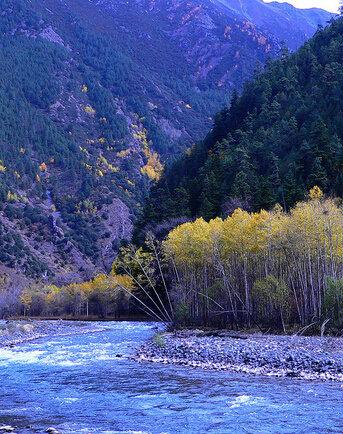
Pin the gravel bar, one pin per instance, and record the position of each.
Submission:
(14, 332)
(311, 358)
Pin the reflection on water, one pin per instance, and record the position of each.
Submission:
(82, 384)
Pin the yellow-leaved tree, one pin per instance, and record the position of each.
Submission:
(268, 267)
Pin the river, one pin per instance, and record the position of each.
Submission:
(78, 384)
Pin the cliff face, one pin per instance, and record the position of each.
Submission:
(94, 96)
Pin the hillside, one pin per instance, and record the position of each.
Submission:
(276, 18)
(281, 137)
(92, 96)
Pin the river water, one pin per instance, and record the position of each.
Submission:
(78, 384)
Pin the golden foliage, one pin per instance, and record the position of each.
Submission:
(270, 251)
(316, 193)
(89, 109)
(3, 168)
(191, 243)
(26, 299)
(141, 136)
(12, 197)
(153, 169)
(105, 289)
(124, 153)
(310, 226)
(105, 166)
(43, 167)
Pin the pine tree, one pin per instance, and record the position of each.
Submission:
(210, 197)
(280, 136)
(318, 174)
(181, 202)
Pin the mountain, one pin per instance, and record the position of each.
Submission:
(278, 18)
(95, 96)
(280, 137)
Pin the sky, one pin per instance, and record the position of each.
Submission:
(330, 5)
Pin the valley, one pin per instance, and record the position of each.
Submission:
(96, 98)
(171, 217)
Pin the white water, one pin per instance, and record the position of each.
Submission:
(78, 384)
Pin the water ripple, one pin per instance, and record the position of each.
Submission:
(86, 384)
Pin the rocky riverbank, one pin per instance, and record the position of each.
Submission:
(283, 356)
(16, 332)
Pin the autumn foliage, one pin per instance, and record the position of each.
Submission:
(266, 268)
(102, 296)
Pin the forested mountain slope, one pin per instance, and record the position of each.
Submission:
(281, 137)
(92, 96)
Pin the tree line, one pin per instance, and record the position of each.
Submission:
(267, 269)
(272, 270)
(103, 296)
(279, 137)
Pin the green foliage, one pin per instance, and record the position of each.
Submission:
(28, 86)
(159, 340)
(272, 290)
(40, 151)
(333, 301)
(136, 263)
(182, 314)
(283, 135)
(273, 299)
(116, 62)
(15, 254)
(72, 80)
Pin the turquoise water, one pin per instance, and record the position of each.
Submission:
(78, 384)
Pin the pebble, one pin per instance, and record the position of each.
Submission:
(7, 428)
(272, 355)
(52, 430)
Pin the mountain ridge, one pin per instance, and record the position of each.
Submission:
(94, 97)
(279, 138)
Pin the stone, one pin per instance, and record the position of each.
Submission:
(52, 430)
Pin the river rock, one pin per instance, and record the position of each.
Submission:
(52, 430)
(7, 428)
(271, 355)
